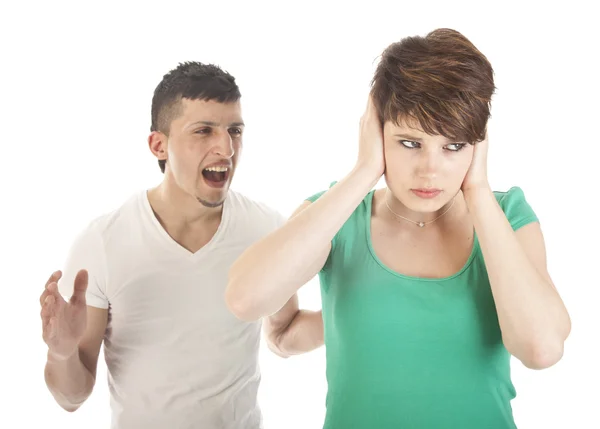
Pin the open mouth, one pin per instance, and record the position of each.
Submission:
(216, 176)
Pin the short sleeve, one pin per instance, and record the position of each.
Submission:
(86, 252)
(516, 208)
(312, 199)
(268, 218)
(315, 197)
(318, 195)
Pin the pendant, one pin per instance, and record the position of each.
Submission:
(421, 224)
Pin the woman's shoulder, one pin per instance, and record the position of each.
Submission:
(356, 220)
(516, 207)
(314, 197)
(512, 193)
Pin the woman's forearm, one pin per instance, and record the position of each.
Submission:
(268, 273)
(532, 316)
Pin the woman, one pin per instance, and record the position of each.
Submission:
(429, 285)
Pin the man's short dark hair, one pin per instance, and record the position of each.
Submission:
(193, 81)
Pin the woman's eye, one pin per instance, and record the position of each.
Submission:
(409, 144)
(455, 147)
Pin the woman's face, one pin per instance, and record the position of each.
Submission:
(424, 172)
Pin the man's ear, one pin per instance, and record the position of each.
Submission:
(157, 142)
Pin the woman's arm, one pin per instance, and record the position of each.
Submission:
(270, 272)
(532, 316)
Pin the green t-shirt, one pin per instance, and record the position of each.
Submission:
(413, 353)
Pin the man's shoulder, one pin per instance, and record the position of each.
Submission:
(116, 218)
(255, 211)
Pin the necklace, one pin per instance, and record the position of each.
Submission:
(419, 224)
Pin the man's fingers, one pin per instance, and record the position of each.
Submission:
(56, 275)
(80, 287)
(45, 313)
(54, 278)
(43, 297)
(50, 330)
(49, 315)
(49, 306)
(52, 327)
(53, 291)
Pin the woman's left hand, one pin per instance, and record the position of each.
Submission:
(476, 177)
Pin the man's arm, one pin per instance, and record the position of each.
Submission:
(292, 331)
(72, 380)
(74, 333)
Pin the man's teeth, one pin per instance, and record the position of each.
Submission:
(217, 168)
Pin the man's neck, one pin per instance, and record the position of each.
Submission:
(177, 208)
(183, 217)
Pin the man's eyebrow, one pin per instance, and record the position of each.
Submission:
(214, 124)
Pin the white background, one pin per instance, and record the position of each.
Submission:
(76, 84)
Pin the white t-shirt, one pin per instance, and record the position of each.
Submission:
(176, 357)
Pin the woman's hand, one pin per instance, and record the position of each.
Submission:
(370, 150)
(476, 178)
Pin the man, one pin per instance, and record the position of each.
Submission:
(148, 279)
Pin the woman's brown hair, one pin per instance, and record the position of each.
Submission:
(441, 81)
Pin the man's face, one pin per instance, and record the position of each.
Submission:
(203, 148)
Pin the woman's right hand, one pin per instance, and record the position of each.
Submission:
(370, 150)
